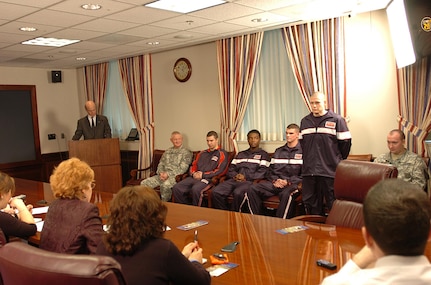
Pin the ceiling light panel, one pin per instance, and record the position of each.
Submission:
(184, 6)
(50, 42)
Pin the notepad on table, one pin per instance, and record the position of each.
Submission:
(193, 225)
(40, 210)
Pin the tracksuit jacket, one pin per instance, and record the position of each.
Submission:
(325, 141)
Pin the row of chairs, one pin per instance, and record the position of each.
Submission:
(137, 175)
(272, 203)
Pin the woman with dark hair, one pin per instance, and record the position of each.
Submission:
(134, 238)
(15, 217)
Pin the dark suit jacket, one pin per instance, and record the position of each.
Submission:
(101, 131)
(71, 226)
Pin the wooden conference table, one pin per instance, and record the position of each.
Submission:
(264, 256)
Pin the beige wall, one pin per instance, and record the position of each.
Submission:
(193, 107)
(57, 103)
(372, 102)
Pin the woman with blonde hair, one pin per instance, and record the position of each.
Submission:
(15, 217)
(72, 224)
(136, 226)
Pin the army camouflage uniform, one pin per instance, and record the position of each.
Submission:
(411, 167)
(174, 161)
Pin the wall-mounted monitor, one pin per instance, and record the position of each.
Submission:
(419, 19)
(19, 132)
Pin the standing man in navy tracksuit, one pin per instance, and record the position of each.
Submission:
(208, 163)
(247, 166)
(325, 140)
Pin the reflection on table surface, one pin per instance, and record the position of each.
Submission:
(264, 255)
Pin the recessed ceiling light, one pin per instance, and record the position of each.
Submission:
(50, 42)
(183, 36)
(27, 29)
(153, 43)
(184, 6)
(91, 6)
(259, 20)
(81, 58)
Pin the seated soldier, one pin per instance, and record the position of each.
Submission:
(410, 166)
(175, 160)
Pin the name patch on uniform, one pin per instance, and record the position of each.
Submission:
(298, 156)
(257, 156)
(214, 158)
(330, 125)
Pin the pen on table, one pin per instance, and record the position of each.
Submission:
(196, 235)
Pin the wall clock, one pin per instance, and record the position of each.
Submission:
(182, 69)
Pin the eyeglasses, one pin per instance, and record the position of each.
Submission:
(93, 185)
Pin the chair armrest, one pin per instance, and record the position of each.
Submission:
(134, 172)
(311, 218)
(218, 179)
(256, 181)
(181, 177)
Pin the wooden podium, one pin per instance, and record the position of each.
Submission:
(103, 155)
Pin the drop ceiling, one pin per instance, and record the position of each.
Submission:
(124, 28)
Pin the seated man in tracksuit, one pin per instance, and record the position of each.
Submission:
(283, 177)
(208, 163)
(247, 166)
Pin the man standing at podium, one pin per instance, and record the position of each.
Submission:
(92, 126)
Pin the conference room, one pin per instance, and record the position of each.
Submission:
(371, 102)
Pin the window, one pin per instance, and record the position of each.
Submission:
(116, 107)
(275, 100)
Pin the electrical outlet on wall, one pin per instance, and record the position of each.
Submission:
(51, 136)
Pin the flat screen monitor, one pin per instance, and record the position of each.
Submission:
(419, 18)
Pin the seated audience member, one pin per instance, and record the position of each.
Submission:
(175, 160)
(134, 238)
(247, 166)
(397, 227)
(283, 177)
(411, 167)
(208, 163)
(72, 224)
(15, 217)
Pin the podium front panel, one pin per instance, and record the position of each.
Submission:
(108, 178)
(103, 155)
(96, 152)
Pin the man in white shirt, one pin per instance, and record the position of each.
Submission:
(397, 227)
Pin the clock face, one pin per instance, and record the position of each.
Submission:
(182, 69)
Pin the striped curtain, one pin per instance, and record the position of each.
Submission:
(135, 75)
(237, 59)
(316, 52)
(95, 81)
(414, 97)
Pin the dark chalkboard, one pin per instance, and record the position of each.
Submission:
(19, 131)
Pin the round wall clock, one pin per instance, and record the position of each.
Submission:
(182, 69)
